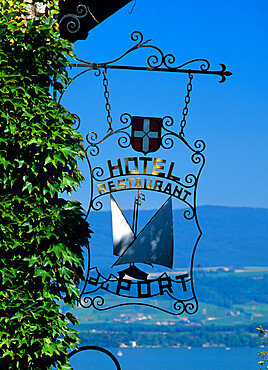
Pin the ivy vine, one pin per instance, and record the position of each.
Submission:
(41, 234)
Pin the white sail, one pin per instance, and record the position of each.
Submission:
(154, 244)
(122, 232)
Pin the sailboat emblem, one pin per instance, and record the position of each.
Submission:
(152, 245)
(146, 134)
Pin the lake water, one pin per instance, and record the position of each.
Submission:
(170, 359)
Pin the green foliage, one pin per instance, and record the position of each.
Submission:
(229, 289)
(263, 341)
(41, 235)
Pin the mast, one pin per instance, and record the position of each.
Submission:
(137, 203)
(134, 216)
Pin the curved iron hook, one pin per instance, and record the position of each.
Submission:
(97, 348)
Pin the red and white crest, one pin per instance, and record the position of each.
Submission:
(146, 134)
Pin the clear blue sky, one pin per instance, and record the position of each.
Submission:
(231, 117)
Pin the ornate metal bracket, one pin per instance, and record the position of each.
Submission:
(158, 62)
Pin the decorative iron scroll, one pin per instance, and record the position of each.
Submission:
(143, 174)
(70, 23)
(156, 62)
(77, 17)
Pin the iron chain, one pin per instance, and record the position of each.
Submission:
(107, 97)
(187, 101)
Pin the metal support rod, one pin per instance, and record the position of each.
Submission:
(156, 69)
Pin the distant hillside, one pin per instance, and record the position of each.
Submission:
(231, 236)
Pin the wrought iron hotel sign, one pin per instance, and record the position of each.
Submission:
(151, 163)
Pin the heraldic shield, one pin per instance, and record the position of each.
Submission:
(146, 134)
(142, 208)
